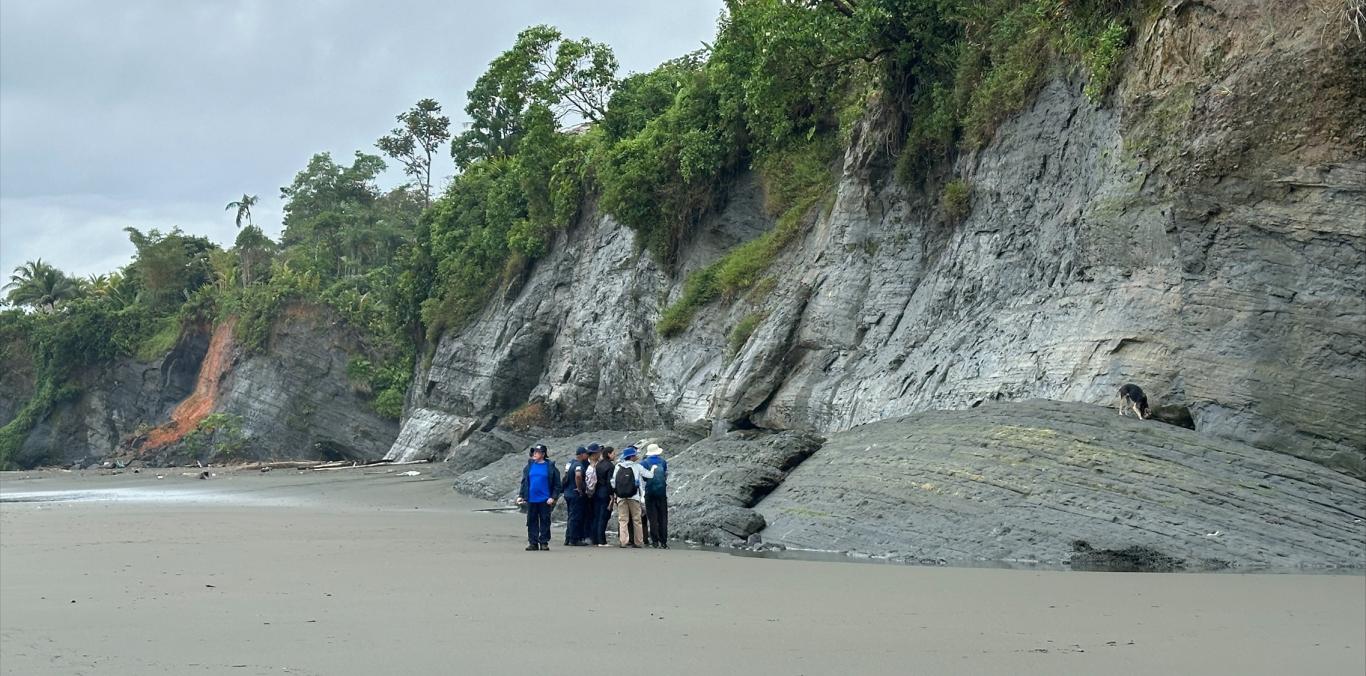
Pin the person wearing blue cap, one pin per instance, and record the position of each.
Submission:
(626, 485)
(575, 499)
(540, 488)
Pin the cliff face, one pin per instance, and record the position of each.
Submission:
(114, 402)
(1200, 235)
(289, 400)
(295, 400)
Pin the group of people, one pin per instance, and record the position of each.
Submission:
(594, 484)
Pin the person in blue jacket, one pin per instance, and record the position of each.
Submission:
(656, 497)
(540, 490)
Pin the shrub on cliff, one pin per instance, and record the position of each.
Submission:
(955, 200)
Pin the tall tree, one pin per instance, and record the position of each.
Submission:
(253, 248)
(420, 132)
(243, 207)
(565, 76)
(39, 285)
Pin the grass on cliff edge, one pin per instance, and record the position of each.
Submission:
(740, 333)
(795, 181)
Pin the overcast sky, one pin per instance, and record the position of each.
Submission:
(158, 113)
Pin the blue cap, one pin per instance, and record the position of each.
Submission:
(594, 447)
(628, 452)
(580, 451)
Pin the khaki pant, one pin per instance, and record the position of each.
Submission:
(628, 520)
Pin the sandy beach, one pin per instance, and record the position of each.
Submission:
(370, 572)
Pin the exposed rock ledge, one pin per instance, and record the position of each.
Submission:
(1034, 481)
(1026, 481)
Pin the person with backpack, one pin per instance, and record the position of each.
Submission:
(540, 489)
(644, 516)
(571, 486)
(656, 497)
(626, 486)
(603, 500)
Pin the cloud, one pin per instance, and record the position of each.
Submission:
(152, 114)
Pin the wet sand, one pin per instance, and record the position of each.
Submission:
(367, 572)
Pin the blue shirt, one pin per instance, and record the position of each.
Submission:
(656, 485)
(538, 482)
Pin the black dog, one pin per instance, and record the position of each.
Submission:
(1131, 397)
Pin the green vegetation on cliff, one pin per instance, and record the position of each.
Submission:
(780, 88)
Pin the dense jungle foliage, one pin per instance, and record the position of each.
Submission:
(551, 127)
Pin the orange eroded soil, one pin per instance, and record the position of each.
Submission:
(200, 403)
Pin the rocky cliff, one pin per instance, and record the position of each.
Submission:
(1201, 234)
(290, 399)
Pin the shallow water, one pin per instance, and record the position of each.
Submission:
(141, 495)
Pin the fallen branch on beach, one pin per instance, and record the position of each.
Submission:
(354, 465)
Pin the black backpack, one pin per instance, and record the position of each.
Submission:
(624, 485)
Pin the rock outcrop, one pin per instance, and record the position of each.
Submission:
(716, 483)
(1047, 482)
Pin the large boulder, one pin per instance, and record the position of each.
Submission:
(715, 483)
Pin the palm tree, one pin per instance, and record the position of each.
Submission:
(109, 287)
(243, 207)
(40, 285)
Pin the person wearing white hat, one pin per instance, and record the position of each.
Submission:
(656, 497)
